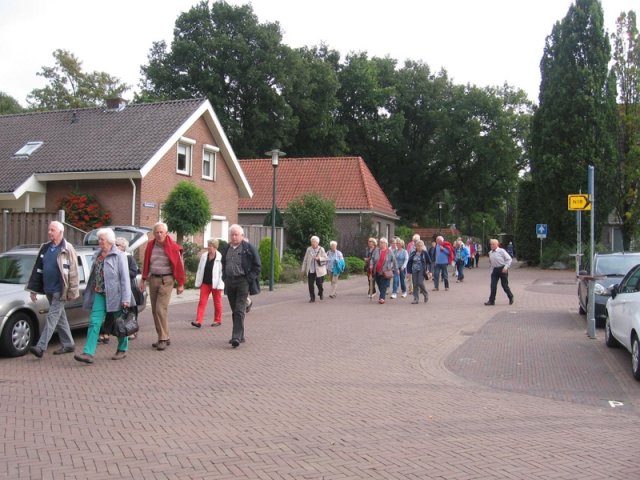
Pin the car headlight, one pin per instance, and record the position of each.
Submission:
(598, 289)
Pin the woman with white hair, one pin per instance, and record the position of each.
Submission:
(108, 290)
(335, 266)
(209, 281)
(314, 266)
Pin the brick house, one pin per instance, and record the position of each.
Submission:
(129, 156)
(361, 205)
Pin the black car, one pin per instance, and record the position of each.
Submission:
(613, 267)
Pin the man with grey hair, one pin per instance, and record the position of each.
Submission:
(55, 274)
(241, 269)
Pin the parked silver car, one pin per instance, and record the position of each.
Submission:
(21, 320)
(622, 325)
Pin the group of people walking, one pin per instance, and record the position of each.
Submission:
(408, 269)
(111, 286)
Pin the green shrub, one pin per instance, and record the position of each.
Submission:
(556, 252)
(354, 266)
(264, 250)
(290, 272)
(191, 255)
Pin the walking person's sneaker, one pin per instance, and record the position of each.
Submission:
(63, 350)
(235, 342)
(415, 301)
(511, 300)
(404, 295)
(119, 355)
(393, 295)
(489, 303)
(216, 324)
(36, 351)
(249, 305)
(162, 344)
(84, 358)
(155, 345)
(196, 324)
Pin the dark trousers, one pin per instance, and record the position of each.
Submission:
(312, 279)
(498, 274)
(237, 292)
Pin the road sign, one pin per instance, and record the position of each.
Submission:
(579, 201)
(541, 230)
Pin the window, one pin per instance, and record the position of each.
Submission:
(184, 158)
(28, 149)
(209, 157)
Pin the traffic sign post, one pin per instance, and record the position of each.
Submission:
(579, 201)
(541, 233)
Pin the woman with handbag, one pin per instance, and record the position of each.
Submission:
(122, 244)
(314, 267)
(384, 265)
(419, 265)
(108, 291)
(209, 281)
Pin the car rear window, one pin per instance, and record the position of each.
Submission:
(16, 268)
(616, 264)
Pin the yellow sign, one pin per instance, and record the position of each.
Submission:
(579, 201)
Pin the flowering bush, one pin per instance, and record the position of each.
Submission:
(83, 211)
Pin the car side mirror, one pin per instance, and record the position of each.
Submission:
(614, 290)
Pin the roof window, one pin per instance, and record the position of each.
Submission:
(28, 149)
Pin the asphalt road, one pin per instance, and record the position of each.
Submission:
(343, 388)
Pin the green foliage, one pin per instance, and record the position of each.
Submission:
(291, 264)
(626, 66)
(555, 251)
(191, 256)
(404, 232)
(528, 243)
(264, 250)
(8, 104)
(354, 265)
(576, 123)
(70, 87)
(187, 210)
(307, 216)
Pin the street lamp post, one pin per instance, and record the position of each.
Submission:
(275, 155)
(440, 216)
(482, 243)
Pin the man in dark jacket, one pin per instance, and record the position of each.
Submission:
(55, 274)
(241, 275)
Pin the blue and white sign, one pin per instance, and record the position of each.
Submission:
(541, 230)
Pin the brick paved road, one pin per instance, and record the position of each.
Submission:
(339, 389)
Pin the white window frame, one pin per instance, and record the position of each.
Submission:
(187, 144)
(212, 152)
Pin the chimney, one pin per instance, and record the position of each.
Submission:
(116, 103)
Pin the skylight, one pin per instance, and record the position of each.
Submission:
(28, 149)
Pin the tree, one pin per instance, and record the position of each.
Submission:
(70, 87)
(307, 216)
(575, 124)
(226, 55)
(187, 210)
(264, 250)
(626, 66)
(8, 104)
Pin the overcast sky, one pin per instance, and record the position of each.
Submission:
(482, 42)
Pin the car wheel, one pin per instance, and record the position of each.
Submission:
(17, 335)
(609, 339)
(635, 357)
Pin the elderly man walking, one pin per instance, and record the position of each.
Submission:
(55, 274)
(241, 276)
(500, 263)
(161, 266)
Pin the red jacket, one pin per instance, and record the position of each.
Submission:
(171, 250)
(452, 254)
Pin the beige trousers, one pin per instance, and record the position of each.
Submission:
(160, 289)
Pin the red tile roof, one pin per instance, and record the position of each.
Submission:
(347, 180)
(428, 233)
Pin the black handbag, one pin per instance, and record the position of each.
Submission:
(125, 323)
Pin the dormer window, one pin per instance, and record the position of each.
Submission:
(28, 149)
(185, 153)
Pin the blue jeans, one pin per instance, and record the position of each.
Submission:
(398, 279)
(441, 268)
(460, 269)
(383, 284)
(96, 318)
(56, 322)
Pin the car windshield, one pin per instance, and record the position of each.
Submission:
(16, 268)
(616, 264)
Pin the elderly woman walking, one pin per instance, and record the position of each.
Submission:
(419, 265)
(108, 290)
(314, 267)
(384, 266)
(209, 281)
(335, 266)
